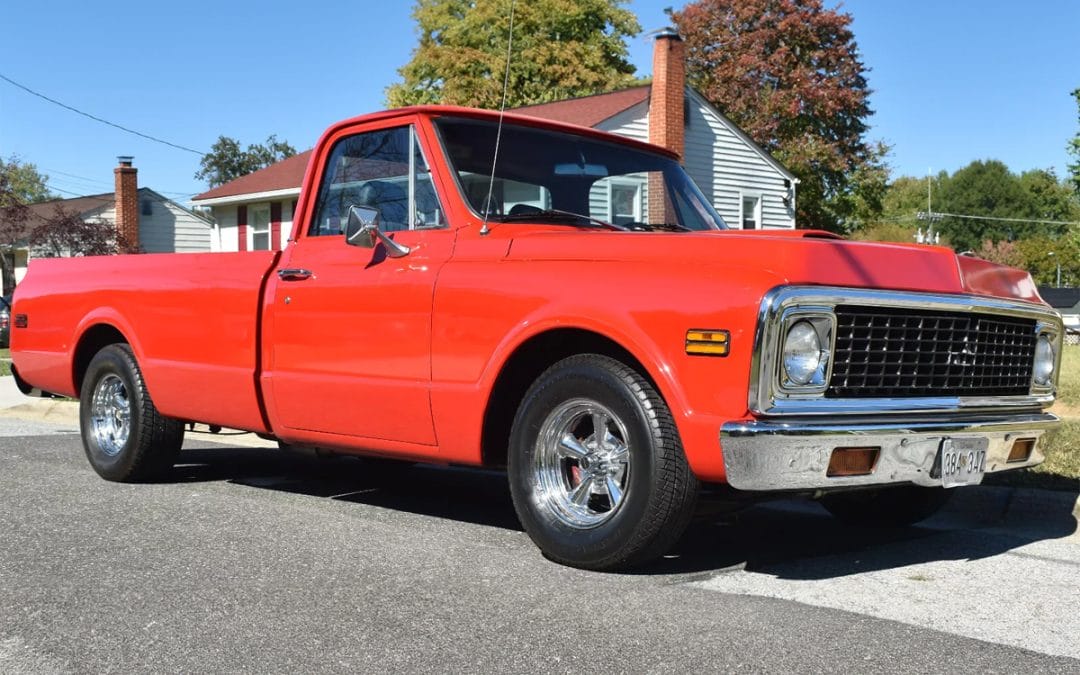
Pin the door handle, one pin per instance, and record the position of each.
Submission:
(294, 274)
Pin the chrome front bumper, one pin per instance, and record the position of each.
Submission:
(765, 455)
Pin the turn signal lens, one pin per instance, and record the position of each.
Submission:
(1021, 450)
(708, 342)
(853, 461)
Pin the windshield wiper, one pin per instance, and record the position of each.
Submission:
(557, 215)
(669, 227)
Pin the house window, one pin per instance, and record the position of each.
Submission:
(259, 224)
(624, 201)
(751, 212)
(147, 207)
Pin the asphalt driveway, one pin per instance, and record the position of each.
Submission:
(247, 560)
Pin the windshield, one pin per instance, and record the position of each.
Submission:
(551, 176)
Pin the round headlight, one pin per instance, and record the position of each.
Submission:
(1044, 362)
(802, 353)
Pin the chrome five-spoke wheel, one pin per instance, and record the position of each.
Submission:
(582, 463)
(110, 415)
(596, 469)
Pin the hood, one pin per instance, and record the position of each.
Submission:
(803, 257)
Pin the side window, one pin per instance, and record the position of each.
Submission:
(385, 170)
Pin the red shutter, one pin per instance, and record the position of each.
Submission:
(275, 226)
(241, 227)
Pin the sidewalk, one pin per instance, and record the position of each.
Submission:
(66, 411)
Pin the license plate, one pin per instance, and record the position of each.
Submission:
(962, 461)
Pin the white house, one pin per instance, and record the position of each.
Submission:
(255, 212)
(747, 186)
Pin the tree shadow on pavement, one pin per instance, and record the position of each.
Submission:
(793, 539)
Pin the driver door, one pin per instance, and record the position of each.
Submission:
(350, 350)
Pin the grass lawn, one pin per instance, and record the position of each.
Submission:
(5, 367)
(1061, 471)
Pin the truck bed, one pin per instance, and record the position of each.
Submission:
(197, 318)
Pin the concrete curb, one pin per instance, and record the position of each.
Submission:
(54, 410)
(66, 411)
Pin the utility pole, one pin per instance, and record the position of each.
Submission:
(930, 237)
(929, 204)
(1057, 260)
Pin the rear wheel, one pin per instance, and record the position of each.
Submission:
(124, 436)
(887, 507)
(596, 468)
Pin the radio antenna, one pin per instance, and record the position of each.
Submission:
(498, 133)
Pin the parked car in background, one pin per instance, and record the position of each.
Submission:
(5, 321)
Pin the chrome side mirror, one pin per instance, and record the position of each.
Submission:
(362, 229)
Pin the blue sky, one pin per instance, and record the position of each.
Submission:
(953, 81)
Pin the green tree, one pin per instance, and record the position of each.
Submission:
(561, 49)
(988, 189)
(788, 72)
(886, 231)
(862, 201)
(227, 161)
(24, 181)
(906, 196)
(1074, 149)
(20, 184)
(1036, 258)
(1047, 198)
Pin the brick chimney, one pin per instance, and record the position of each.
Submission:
(127, 202)
(667, 123)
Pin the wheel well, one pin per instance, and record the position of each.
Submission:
(91, 342)
(528, 361)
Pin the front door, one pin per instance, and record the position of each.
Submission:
(350, 340)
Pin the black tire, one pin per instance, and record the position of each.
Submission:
(888, 507)
(652, 501)
(149, 447)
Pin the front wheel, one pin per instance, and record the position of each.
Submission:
(597, 471)
(886, 507)
(124, 436)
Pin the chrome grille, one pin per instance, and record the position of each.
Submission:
(893, 352)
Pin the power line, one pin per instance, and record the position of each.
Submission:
(110, 199)
(106, 183)
(97, 119)
(71, 175)
(76, 194)
(1006, 220)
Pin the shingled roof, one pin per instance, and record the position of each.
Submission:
(284, 175)
(588, 111)
(40, 212)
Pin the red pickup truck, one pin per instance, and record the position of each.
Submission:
(466, 290)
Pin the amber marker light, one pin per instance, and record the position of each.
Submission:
(708, 342)
(1021, 450)
(853, 461)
